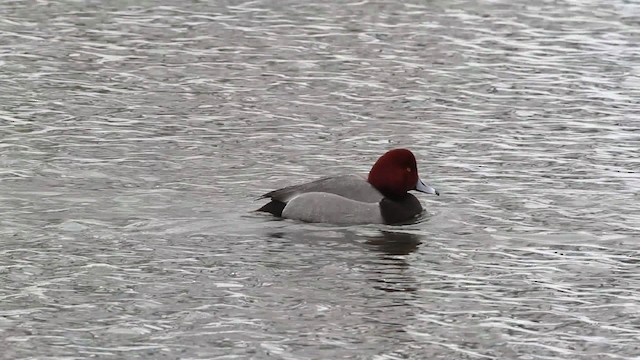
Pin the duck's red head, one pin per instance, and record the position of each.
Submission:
(395, 173)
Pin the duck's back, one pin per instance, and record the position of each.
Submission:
(351, 187)
(354, 187)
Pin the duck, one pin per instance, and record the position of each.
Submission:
(381, 197)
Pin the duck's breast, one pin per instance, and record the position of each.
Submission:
(400, 211)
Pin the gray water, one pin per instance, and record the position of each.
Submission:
(134, 140)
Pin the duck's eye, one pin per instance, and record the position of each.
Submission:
(408, 169)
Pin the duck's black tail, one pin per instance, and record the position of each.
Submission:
(274, 207)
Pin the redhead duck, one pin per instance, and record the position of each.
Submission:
(380, 198)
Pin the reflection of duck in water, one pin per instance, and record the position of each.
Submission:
(386, 266)
(391, 244)
(380, 198)
(394, 243)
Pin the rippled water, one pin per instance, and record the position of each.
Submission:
(135, 139)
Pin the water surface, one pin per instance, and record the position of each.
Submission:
(134, 140)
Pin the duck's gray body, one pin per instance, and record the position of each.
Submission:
(346, 199)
